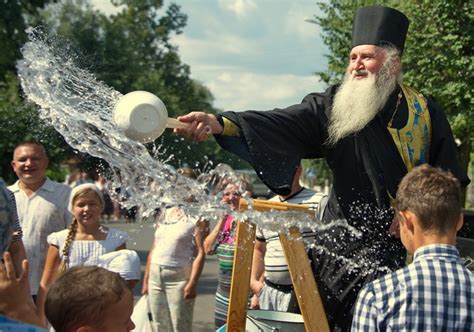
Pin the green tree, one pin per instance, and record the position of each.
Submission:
(437, 58)
(19, 122)
(130, 50)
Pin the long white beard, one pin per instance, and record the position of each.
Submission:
(357, 102)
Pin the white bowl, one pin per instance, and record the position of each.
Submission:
(141, 115)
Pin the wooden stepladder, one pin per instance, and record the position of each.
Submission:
(304, 284)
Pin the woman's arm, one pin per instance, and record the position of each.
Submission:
(202, 230)
(257, 275)
(212, 237)
(146, 276)
(50, 273)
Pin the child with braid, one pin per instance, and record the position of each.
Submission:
(83, 242)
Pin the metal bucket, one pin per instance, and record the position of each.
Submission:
(271, 321)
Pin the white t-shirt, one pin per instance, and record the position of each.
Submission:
(41, 214)
(174, 239)
(87, 252)
(276, 268)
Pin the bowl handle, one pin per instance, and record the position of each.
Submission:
(175, 123)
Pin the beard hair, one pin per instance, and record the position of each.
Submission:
(357, 102)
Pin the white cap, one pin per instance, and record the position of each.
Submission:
(124, 262)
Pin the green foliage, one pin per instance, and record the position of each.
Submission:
(130, 50)
(20, 122)
(438, 58)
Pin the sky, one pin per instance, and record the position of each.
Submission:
(251, 54)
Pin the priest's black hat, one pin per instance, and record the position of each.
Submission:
(381, 26)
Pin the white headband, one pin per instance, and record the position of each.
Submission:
(76, 190)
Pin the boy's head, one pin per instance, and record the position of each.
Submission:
(89, 299)
(428, 204)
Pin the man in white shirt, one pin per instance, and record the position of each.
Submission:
(270, 278)
(41, 204)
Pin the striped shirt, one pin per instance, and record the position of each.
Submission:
(434, 293)
(17, 232)
(276, 268)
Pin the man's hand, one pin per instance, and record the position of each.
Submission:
(201, 125)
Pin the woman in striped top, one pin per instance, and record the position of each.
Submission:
(221, 242)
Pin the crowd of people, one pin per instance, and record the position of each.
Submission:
(396, 182)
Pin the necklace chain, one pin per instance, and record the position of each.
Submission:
(399, 99)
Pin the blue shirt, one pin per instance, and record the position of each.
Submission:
(434, 293)
(7, 325)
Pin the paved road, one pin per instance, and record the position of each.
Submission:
(141, 238)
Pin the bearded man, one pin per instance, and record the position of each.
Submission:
(371, 130)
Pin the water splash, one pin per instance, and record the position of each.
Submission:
(80, 108)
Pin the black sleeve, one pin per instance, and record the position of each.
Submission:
(443, 147)
(274, 142)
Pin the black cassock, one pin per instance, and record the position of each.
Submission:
(366, 167)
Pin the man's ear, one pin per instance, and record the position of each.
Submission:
(84, 329)
(460, 222)
(397, 67)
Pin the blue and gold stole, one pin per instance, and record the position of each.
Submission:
(413, 140)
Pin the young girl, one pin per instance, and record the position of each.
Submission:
(83, 242)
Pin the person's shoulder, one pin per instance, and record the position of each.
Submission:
(309, 196)
(56, 186)
(7, 324)
(58, 237)
(429, 99)
(14, 187)
(328, 93)
(321, 101)
(387, 285)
